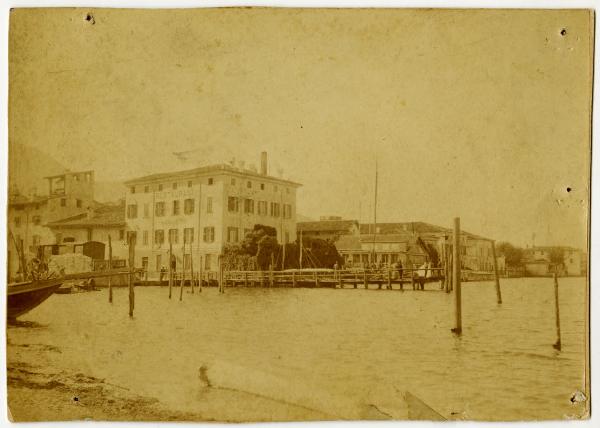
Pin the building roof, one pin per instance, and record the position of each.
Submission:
(19, 199)
(64, 174)
(549, 248)
(416, 227)
(326, 226)
(390, 237)
(218, 168)
(102, 216)
(403, 227)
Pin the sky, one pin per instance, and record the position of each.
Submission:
(482, 115)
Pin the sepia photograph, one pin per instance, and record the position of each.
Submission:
(262, 214)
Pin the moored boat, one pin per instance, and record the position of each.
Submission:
(24, 296)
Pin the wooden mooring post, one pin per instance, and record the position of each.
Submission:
(131, 273)
(389, 279)
(456, 277)
(557, 345)
(170, 261)
(221, 275)
(182, 280)
(293, 279)
(201, 276)
(192, 267)
(446, 264)
(110, 291)
(365, 281)
(496, 276)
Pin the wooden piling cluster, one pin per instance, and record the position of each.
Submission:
(453, 281)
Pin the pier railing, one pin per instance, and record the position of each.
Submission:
(317, 278)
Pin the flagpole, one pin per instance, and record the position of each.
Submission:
(375, 212)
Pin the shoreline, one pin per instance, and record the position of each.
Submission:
(35, 394)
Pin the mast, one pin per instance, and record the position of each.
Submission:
(375, 213)
(282, 232)
(300, 249)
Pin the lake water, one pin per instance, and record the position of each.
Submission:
(344, 343)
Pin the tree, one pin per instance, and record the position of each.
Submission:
(557, 257)
(512, 254)
(260, 247)
(235, 258)
(323, 252)
(251, 240)
(267, 250)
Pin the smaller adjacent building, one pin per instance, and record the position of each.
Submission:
(411, 243)
(331, 228)
(538, 261)
(95, 225)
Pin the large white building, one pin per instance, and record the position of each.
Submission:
(205, 208)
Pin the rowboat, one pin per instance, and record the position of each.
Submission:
(22, 297)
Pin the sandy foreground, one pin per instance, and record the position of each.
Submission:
(38, 391)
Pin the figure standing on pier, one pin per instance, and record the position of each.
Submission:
(399, 268)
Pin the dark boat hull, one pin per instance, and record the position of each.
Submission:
(23, 297)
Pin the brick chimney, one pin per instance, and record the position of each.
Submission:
(263, 163)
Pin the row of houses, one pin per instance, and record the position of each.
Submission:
(538, 261)
(199, 211)
(410, 243)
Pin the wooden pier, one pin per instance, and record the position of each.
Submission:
(352, 279)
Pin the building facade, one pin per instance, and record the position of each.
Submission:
(538, 261)
(95, 225)
(330, 228)
(411, 243)
(69, 194)
(205, 209)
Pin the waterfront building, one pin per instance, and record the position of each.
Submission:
(411, 243)
(418, 239)
(69, 194)
(205, 208)
(330, 227)
(537, 261)
(96, 224)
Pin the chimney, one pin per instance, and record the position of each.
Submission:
(263, 163)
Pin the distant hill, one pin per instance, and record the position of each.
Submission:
(27, 167)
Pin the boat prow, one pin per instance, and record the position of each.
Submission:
(24, 296)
